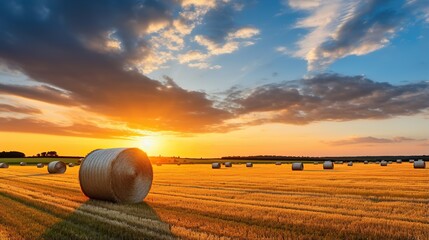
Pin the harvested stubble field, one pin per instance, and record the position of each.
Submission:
(196, 202)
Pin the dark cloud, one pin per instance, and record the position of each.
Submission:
(60, 44)
(219, 22)
(372, 140)
(29, 125)
(330, 97)
(7, 108)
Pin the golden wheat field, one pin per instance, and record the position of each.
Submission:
(196, 202)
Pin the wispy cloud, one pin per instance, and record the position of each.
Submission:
(342, 28)
(373, 140)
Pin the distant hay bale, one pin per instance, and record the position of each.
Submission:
(249, 164)
(57, 167)
(389, 162)
(399, 161)
(71, 164)
(316, 163)
(328, 165)
(278, 163)
(365, 162)
(216, 165)
(116, 175)
(228, 164)
(297, 166)
(4, 165)
(411, 160)
(350, 164)
(79, 161)
(23, 164)
(420, 164)
(377, 162)
(40, 165)
(383, 163)
(339, 162)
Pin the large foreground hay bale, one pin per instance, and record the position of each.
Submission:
(216, 165)
(383, 163)
(228, 164)
(57, 167)
(328, 165)
(40, 165)
(22, 163)
(350, 164)
(116, 174)
(297, 166)
(4, 165)
(420, 164)
(249, 164)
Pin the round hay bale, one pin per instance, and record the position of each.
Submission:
(71, 164)
(365, 162)
(249, 164)
(228, 164)
(278, 163)
(411, 160)
(40, 165)
(350, 164)
(57, 167)
(420, 164)
(297, 166)
(389, 162)
(399, 161)
(328, 165)
(116, 175)
(23, 164)
(339, 162)
(4, 165)
(383, 163)
(316, 163)
(216, 165)
(79, 161)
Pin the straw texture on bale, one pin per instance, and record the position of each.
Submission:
(228, 164)
(420, 164)
(328, 165)
(116, 175)
(249, 164)
(383, 163)
(297, 166)
(57, 167)
(350, 164)
(4, 165)
(71, 164)
(398, 161)
(278, 163)
(216, 165)
(40, 165)
(23, 163)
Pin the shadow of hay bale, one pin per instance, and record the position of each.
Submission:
(114, 221)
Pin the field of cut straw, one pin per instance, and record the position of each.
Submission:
(196, 202)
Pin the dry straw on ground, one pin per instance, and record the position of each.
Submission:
(328, 165)
(297, 166)
(57, 167)
(216, 165)
(117, 175)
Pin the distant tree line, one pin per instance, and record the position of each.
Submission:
(12, 154)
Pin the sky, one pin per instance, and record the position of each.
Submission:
(215, 78)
